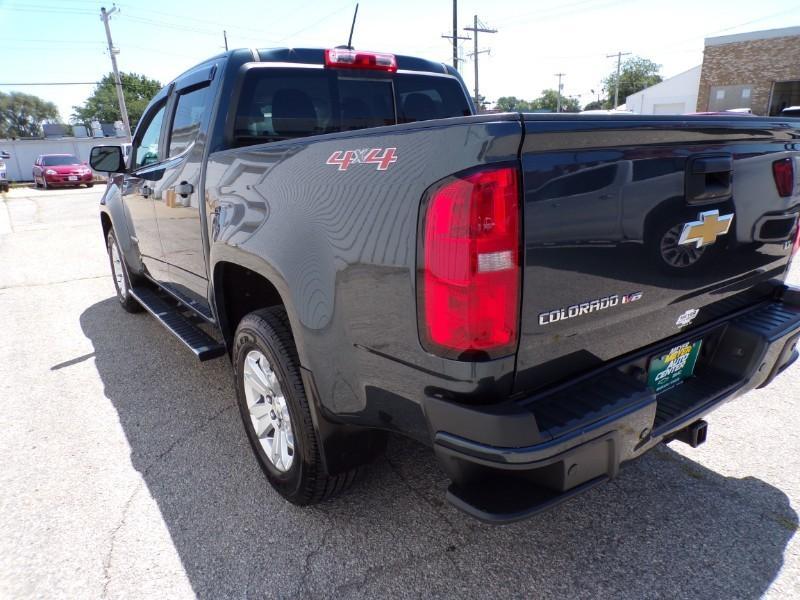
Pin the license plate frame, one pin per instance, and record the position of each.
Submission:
(668, 370)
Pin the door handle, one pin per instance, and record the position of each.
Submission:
(146, 191)
(184, 189)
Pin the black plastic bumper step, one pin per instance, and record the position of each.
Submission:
(198, 341)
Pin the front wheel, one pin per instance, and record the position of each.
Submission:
(119, 272)
(90, 184)
(275, 410)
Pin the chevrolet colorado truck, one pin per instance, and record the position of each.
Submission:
(539, 298)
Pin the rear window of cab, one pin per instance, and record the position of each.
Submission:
(278, 104)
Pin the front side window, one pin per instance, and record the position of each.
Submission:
(188, 116)
(147, 150)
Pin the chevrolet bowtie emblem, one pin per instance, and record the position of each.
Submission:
(706, 230)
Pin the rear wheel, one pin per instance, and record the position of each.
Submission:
(120, 274)
(275, 410)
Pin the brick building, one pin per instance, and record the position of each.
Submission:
(759, 70)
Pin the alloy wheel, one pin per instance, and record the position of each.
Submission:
(268, 410)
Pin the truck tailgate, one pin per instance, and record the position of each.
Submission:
(637, 229)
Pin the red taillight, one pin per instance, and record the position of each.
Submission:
(783, 172)
(469, 272)
(350, 59)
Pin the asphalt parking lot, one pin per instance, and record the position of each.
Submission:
(124, 472)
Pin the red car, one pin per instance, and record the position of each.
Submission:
(52, 170)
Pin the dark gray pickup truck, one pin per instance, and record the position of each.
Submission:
(540, 298)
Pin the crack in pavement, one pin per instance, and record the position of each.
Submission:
(46, 283)
(310, 555)
(127, 505)
(353, 587)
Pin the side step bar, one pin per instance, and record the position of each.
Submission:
(198, 341)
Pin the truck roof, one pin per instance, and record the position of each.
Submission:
(316, 56)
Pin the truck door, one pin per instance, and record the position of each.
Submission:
(178, 209)
(143, 183)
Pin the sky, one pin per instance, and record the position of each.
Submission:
(47, 41)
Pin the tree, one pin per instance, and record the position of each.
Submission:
(549, 101)
(22, 115)
(511, 104)
(636, 74)
(594, 105)
(104, 106)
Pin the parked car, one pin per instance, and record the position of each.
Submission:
(792, 111)
(375, 257)
(3, 172)
(58, 170)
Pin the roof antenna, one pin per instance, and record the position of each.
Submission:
(352, 27)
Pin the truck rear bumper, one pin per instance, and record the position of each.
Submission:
(513, 460)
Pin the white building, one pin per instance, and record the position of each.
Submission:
(674, 96)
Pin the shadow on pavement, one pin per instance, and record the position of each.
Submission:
(666, 527)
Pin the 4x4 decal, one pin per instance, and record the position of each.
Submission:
(383, 157)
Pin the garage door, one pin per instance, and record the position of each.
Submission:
(673, 108)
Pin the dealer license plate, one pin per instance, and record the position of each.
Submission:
(672, 368)
(73, 178)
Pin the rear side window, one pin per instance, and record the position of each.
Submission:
(423, 97)
(279, 104)
(188, 116)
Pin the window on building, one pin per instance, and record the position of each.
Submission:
(729, 97)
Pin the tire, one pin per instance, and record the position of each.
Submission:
(44, 183)
(264, 340)
(120, 275)
(90, 185)
(36, 182)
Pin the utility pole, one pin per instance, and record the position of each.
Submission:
(105, 16)
(619, 56)
(475, 30)
(225, 35)
(455, 37)
(558, 94)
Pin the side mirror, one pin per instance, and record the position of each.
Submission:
(107, 159)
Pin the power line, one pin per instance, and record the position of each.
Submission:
(475, 30)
